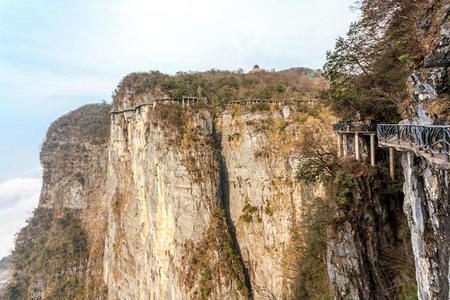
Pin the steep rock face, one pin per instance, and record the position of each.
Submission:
(426, 185)
(203, 205)
(426, 204)
(366, 256)
(260, 157)
(60, 251)
(74, 158)
(163, 198)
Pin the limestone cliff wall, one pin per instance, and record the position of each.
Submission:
(163, 193)
(204, 203)
(60, 251)
(260, 156)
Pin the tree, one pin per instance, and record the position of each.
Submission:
(368, 69)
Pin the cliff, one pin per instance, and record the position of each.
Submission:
(204, 202)
(215, 200)
(170, 202)
(59, 254)
(371, 226)
(427, 185)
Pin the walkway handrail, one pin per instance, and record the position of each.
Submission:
(197, 99)
(156, 100)
(433, 139)
(353, 126)
(243, 101)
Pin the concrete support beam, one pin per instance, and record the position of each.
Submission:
(372, 150)
(357, 154)
(391, 163)
(410, 159)
(339, 145)
(345, 145)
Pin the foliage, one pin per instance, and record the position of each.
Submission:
(344, 184)
(220, 86)
(90, 123)
(261, 106)
(268, 211)
(368, 68)
(318, 159)
(311, 248)
(214, 259)
(282, 124)
(234, 137)
(47, 247)
(174, 116)
(312, 169)
(247, 212)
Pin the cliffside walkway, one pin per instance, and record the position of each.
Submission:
(187, 101)
(183, 101)
(429, 141)
(250, 101)
(344, 129)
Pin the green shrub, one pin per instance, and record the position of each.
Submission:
(311, 247)
(261, 106)
(206, 274)
(234, 137)
(268, 211)
(248, 211)
(282, 124)
(344, 183)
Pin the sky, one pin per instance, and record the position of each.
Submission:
(56, 55)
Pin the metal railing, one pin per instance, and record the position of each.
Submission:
(184, 99)
(354, 126)
(431, 139)
(188, 99)
(288, 101)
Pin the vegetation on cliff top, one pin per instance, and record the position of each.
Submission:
(88, 123)
(220, 86)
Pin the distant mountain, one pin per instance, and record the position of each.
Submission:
(5, 270)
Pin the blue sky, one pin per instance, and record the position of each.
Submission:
(58, 55)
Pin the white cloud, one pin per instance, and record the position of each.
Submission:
(18, 198)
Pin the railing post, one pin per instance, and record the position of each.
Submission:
(339, 145)
(372, 150)
(410, 135)
(398, 133)
(445, 144)
(391, 163)
(357, 154)
(345, 145)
